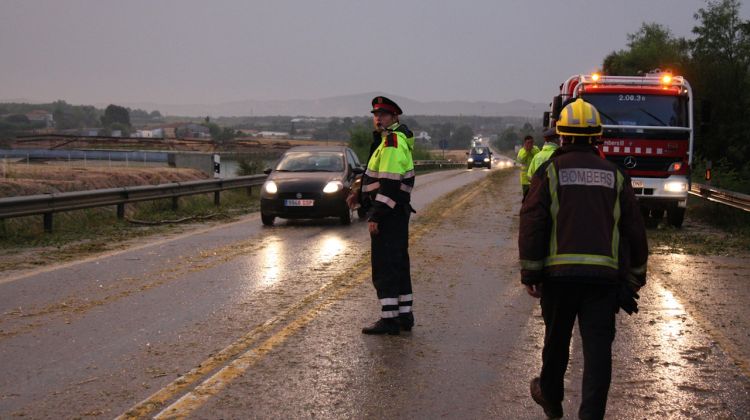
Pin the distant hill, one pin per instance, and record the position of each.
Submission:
(349, 105)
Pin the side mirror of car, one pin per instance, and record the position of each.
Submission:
(267, 171)
(358, 170)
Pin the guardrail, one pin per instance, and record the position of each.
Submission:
(437, 164)
(48, 204)
(718, 195)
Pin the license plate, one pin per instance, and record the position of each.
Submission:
(637, 184)
(299, 203)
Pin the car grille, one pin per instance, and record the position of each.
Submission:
(645, 163)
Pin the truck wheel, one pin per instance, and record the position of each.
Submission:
(657, 214)
(675, 216)
(267, 219)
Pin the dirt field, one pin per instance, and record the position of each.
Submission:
(21, 179)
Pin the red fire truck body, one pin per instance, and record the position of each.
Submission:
(648, 132)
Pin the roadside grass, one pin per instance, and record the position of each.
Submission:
(710, 229)
(76, 234)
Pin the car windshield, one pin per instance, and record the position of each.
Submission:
(311, 162)
(640, 109)
(479, 151)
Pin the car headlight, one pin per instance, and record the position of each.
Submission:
(675, 186)
(486, 159)
(270, 187)
(470, 160)
(332, 187)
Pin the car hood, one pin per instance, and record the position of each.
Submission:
(303, 181)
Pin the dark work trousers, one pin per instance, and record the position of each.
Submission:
(390, 262)
(595, 307)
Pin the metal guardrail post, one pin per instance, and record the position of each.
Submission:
(217, 198)
(121, 211)
(175, 203)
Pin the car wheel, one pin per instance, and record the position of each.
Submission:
(468, 166)
(267, 219)
(346, 216)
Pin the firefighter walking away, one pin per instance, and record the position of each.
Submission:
(583, 251)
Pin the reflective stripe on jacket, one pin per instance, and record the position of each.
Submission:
(541, 157)
(579, 214)
(524, 158)
(389, 178)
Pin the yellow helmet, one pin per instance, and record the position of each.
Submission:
(579, 118)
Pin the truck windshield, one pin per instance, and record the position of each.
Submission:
(640, 109)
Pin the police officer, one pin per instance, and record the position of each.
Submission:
(524, 157)
(386, 192)
(583, 250)
(551, 143)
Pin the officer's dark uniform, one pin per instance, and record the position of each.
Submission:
(582, 237)
(386, 186)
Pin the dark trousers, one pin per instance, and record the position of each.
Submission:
(390, 262)
(595, 307)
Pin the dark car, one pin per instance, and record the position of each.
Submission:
(479, 156)
(310, 182)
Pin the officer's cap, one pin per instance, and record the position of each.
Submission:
(383, 104)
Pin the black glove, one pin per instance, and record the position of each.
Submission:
(627, 299)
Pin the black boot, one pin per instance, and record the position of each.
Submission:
(406, 321)
(388, 326)
(552, 410)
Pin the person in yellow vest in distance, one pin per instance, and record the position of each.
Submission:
(524, 157)
(551, 143)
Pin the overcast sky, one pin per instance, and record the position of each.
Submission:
(209, 52)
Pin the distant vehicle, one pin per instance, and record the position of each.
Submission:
(310, 182)
(479, 157)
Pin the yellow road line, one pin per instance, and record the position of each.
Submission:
(158, 399)
(214, 384)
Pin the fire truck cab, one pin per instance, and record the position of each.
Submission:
(648, 132)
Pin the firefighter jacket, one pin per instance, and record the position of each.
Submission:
(579, 216)
(541, 157)
(389, 177)
(524, 158)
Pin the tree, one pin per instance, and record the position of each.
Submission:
(360, 139)
(652, 47)
(721, 56)
(461, 138)
(508, 139)
(115, 114)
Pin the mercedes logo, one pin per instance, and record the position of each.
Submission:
(299, 195)
(630, 162)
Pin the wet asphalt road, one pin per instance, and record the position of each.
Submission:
(268, 320)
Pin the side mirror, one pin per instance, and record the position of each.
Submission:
(358, 170)
(267, 171)
(556, 106)
(545, 119)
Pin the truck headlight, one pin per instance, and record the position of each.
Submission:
(270, 187)
(675, 186)
(470, 160)
(333, 187)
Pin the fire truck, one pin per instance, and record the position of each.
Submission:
(648, 132)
